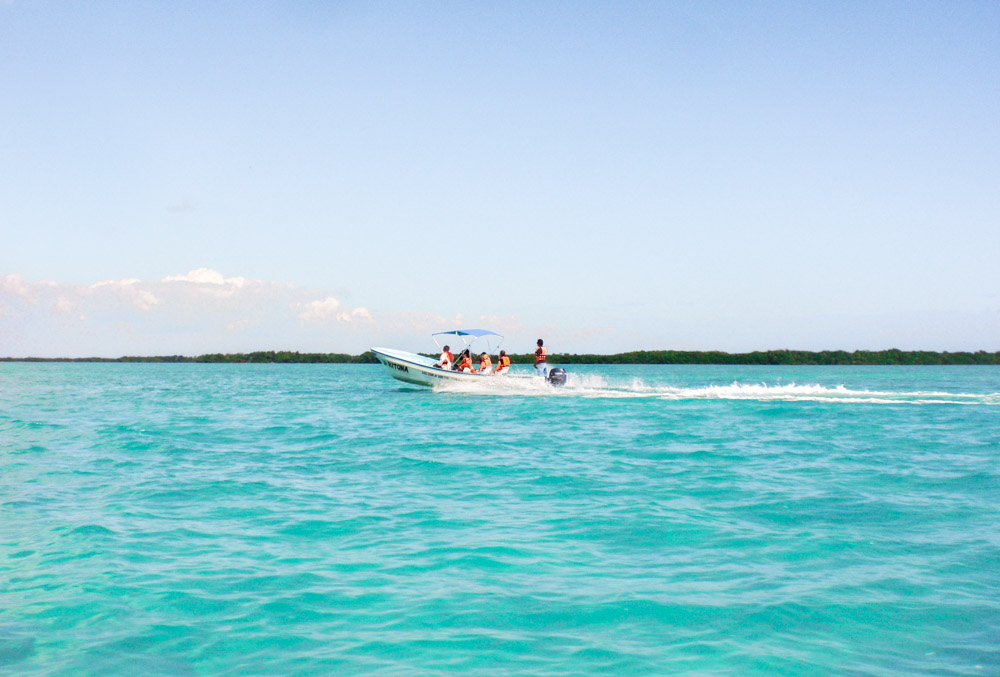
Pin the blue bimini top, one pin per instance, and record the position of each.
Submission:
(468, 332)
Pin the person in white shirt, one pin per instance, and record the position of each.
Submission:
(444, 362)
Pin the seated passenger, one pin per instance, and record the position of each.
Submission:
(503, 363)
(485, 364)
(444, 362)
(466, 364)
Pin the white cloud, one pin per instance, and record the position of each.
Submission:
(115, 283)
(144, 300)
(211, 282)
(198, 276)
(198, 311)
(130, 291)
(317, 311)
(15, 285)
(64, 305)
(358, 314)
(330, 308)
(207, 276)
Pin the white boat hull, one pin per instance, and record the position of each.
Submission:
(419, 370)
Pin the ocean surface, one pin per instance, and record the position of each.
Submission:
(195, 519)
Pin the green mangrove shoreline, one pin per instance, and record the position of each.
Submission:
(767, 357)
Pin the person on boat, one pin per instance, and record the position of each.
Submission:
(503, 363)
(541, 362)
(485, 364)
(466, 363)
(444, 362)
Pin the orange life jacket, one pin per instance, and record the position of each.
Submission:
(485, 363)
(466, 362)
(503, 363)
(448, 355)
(540, 355)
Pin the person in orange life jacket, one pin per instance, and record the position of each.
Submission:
(466, 363)
(503, 363)
(446, 359)
(485, 364)
(540, 358)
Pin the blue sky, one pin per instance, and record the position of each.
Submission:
(192, 177)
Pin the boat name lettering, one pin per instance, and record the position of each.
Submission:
(401, 367)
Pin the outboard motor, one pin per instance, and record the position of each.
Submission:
(557, 377)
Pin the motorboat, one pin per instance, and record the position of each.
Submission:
(420, 370)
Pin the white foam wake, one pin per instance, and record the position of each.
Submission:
(594, 386)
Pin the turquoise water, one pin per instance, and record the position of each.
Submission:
(325, 519)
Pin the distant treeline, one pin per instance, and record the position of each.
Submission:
(767, 357)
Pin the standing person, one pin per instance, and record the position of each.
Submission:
(444, 362)
(541, 359)
(503, 363)
(485, 364)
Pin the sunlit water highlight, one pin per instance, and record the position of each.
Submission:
(317, 519)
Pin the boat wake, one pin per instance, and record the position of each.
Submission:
(593, 386)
